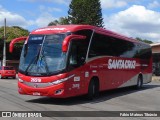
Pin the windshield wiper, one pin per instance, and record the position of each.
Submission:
(35, 59)
(32, 61)
(46, 65)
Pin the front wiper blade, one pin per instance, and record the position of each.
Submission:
(46, 65)
(32, 61)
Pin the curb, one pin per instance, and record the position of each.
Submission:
(155, 78)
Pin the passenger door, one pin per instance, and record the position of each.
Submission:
(76, 62)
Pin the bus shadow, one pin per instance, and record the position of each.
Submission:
(103, 96)
(9, 78)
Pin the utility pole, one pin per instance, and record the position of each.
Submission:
(4, 47)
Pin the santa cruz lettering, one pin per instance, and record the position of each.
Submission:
(121, 64)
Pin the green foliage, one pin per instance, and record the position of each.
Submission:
(55, 22)
(82, 12)
(11, 33)
(144, 40)
(85, 12)
(61, 21)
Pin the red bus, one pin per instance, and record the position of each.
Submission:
(71, 60)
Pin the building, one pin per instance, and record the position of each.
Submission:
(156, 58)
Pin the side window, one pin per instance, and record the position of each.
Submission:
(101, 46)
(129, 49)
(86, 33)
(0, 68)
(73, 55)
(77, 53)
(144, 52)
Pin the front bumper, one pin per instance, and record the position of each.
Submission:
(56, 91)
(8, 75)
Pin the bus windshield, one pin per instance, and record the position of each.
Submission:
(42, 55)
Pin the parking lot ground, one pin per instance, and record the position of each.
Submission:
(125, 99)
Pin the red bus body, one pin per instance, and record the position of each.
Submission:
(112, 67)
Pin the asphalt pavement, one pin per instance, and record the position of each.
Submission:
(125, 99)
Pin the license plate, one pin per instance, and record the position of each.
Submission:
(36, 93)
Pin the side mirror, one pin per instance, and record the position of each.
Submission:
(11, 45)
(67, 40)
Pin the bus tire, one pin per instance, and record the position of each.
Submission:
(139, 82)
(93, 90)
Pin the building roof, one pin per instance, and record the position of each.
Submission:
(155, 44)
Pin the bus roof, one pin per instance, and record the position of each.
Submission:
(74, 28)
(61, 29)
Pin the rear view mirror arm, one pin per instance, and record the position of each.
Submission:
(16, 40)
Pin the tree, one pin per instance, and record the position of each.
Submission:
(11, 33)
(61, 21)
(144, 40)
(85, 12)
(55, 22)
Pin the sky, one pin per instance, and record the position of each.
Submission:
(133, 18)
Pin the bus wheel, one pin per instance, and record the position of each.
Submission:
(93, 89)
(139, 82)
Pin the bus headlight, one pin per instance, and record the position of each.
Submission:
(61, 80)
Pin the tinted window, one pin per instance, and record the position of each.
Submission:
(101, 46)
(108, 46)
(144, 52)
(130, 49)
(8, 68)
(78, 53)
(86, 33)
